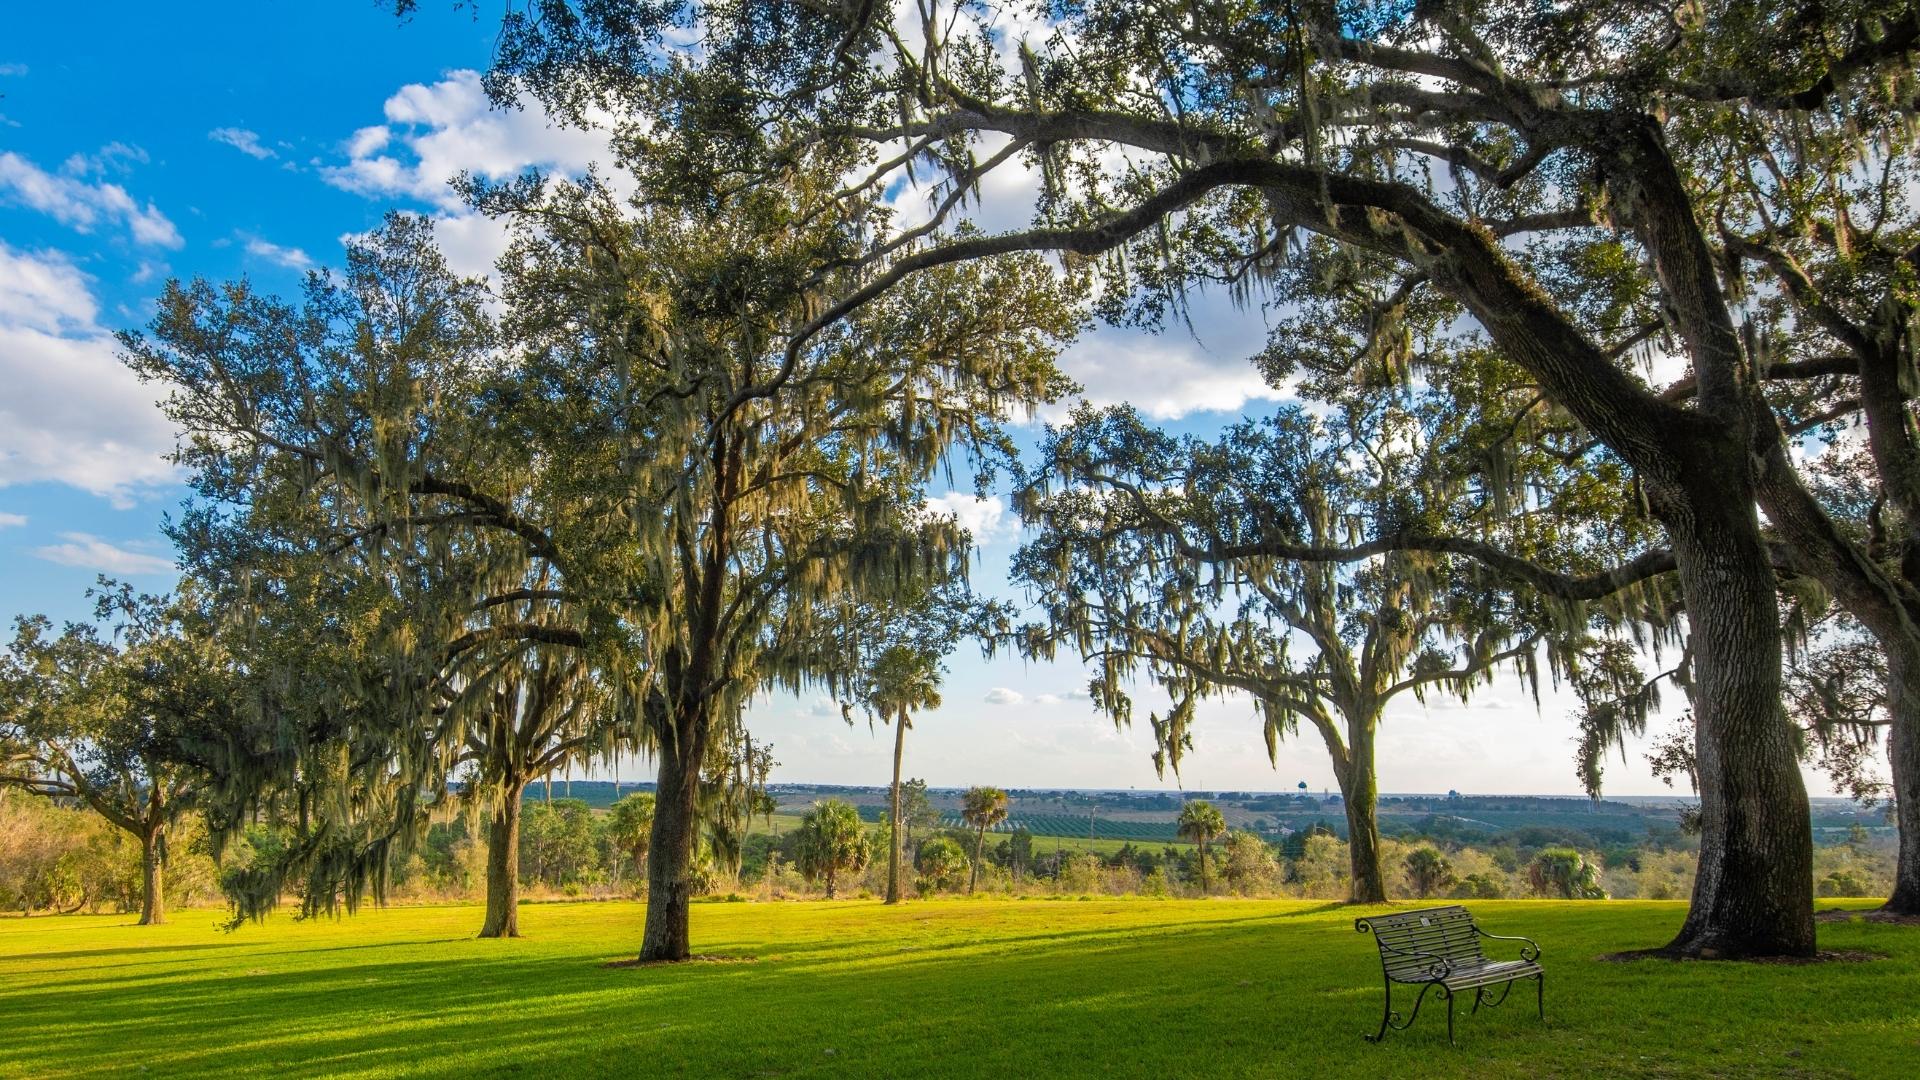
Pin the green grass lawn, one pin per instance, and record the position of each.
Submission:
(987, 988)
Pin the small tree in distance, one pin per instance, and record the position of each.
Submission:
(832, 841)
(916, 808)
(1564, 873)
(941, 862)
(630, 824)
(1428, 871)
(983, 808)
(99, 713)
(1200, 822)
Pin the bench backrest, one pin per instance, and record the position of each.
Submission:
(1410, 940)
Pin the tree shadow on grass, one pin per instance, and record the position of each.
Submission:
(1184, 997)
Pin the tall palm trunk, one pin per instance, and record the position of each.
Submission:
(893, 842)
(979, 845)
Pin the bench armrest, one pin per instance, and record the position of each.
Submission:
(1529, 949)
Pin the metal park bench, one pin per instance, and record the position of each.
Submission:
(1439, 949)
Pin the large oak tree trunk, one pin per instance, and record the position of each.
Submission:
(1753, 895)
(1360, 794)
(153, 861)
(1903, 760)
(670, 855)
(503, 868)
(893, 840)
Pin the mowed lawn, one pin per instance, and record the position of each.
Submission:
(949, 988)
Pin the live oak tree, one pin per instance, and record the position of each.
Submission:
(982, 807)
(749, 481)
(375, 538)
(104, 714)
(1818, 225)
(1210, 567)
(1534, 165)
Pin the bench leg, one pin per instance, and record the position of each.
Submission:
(1386, 1015)
(1540, 993)
(1449, 994)
(1479, 995)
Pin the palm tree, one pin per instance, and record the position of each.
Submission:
(905, 680)
(831, 840)
(1200, 822)
(983, 808)
(630, 825)
(1428, 871)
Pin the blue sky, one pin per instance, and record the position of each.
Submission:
(247, 139)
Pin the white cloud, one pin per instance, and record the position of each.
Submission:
(1178, 371)
(985, 517)
(435, 132)
(290, 257)
(247, 142)
(69, 199)
(369, 141)
(12, 521)
(93, 553)
(72, 413)
(1001, 695)
(115, 157)
(1060, 699)
(13, 69)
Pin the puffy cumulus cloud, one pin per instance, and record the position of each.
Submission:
(92, 553)
(1001, 695)
(290, 257)
(247, 142)
(1202, 363)
(983, 516)
(12, 521)
(82, 205)
(72, 412)
(436, 131)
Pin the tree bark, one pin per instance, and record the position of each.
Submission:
(1205, 889)
(670, 855)
(1360, 791)
(973, 872)
(153, 899)
(893, 841)
(1753, 893)
(1903, 760)
(503, 867)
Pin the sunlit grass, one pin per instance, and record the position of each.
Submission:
(987, 988)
